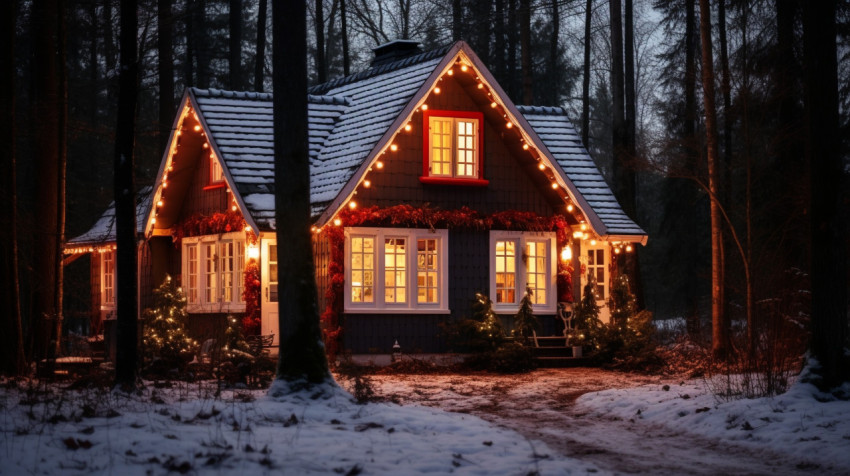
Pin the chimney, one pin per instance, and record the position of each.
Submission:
(394, 50)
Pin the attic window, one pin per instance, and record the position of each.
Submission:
(216, 173)
(452, 148)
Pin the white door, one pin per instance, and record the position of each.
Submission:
(268, 277)
(596, 258)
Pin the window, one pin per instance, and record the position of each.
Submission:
(396, 270)
(453, 145)
(212, 272)
(216, 172)
(107, 280)
(520, 260)
(596, 268)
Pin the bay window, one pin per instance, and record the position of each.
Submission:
(212, 272)
(520, 261)
(396, 270)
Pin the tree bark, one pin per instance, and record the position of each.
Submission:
(49, 108)
(201, 46)
(719, 331)
(554, 67)
(126, 358)
(513, 89)
(260, 62)
(457, 19)
(525, 45)
(235, 63)
(302, 355)
(189, 26)
(321, 66)
(498, 59)
(346, 57)
(12, 359)
(165, 48)
(828, 194)
(585, 84)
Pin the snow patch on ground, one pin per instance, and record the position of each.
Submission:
(188, 428)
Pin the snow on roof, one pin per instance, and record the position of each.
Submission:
(103, 230)
(563, 141)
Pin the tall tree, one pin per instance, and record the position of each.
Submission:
(165, 48)
(125, 202)
(321, 63)
(12, 359)
(554, 54)
(621, 165)
(260, 62)
(525, 45)
(719, 331)
(512, 87)
(343, 19)
(585, 83)
(50, 151)
(828, 194)
(457, 20)
(498, 59)
(189, 33)
(235, 58)
(302, 355)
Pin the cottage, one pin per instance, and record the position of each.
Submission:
(428, 185)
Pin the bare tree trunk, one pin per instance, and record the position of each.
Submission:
(165, 48)
(61, 166)
(48, 155)
(726, 189)
(201, 47)
(12, 359)
(343, 18)
(525, 45)
(321, 66)
(513, 89)
(499, 43)
(260, 64)
(621, 165)
(235, 63)
(109, 49)
(302, 355)
(829, 199)
(189, 26)
(126, 358)
(554, 68)
(457, 14)
(585, 84)
(483, 27)
(720, 334)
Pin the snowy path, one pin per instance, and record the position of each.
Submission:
(542, 406)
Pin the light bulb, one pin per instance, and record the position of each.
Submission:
(424, 107)
(554, 185)
(493, 104)
(463, 68)
(352, 204)
(437, 90)
(337, 222)
(509, 124)
(393, 147)
(197, 128)
(367, 183)
(480, 85)
(524, 146)
(379, 165)
(408, 127)
(541, 166)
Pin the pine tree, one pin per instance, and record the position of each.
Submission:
(489, 325)
(588, 324)
(623, 305)
(525, 322)
(165, 339)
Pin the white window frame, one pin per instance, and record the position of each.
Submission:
(104, 277)
(411, 304)
(215, 303)
(522, 238)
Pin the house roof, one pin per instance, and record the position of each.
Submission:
(564, 143)
(352, 119)
(103, 230)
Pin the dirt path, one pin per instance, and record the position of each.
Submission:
(541, 406)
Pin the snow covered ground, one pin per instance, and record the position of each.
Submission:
(552, 421)
(189, 429)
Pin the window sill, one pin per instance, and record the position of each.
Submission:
(454, 181)
(215, 186)
(512, 310)
(217, 308)
(397, 310)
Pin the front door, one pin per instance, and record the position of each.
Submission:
(268, 276)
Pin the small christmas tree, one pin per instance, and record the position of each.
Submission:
(164, 338)
(236, 347)
(489, 325)
(623, 304)
(589, 326)
(525, 322)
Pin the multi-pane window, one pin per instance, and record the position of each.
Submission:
(108, 279)
(385, 263)
(427, 271)
(395, 270)
(453, 143)
(216, 172)
(213, 272)
(362, 264)
(596, 270)
(537, 272)
(505, 271)
(520, 261)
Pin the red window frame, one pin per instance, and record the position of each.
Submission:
(426, 149)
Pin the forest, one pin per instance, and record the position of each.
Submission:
(713, 122)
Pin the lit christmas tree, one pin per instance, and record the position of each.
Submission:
(164, 339)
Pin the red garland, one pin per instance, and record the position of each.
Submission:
(426, 217)
(251, 295)
(197, 225)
